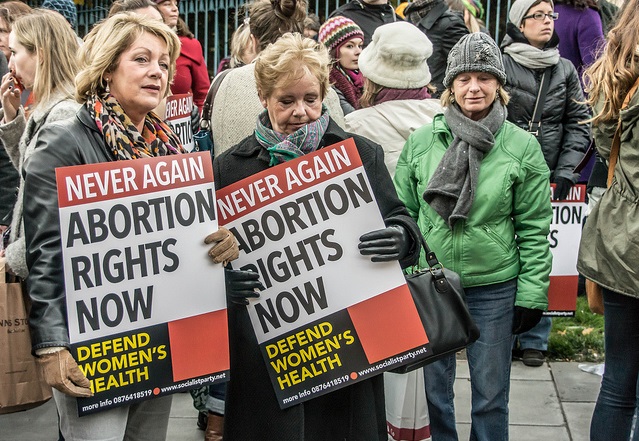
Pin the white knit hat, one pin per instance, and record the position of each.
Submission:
(396, 57)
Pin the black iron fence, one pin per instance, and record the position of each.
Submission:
(213, 21)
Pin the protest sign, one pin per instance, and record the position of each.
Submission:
(178, 116)
(328, 316)
(139, 283)
(564, 237)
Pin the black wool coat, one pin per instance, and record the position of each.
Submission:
(354, 413)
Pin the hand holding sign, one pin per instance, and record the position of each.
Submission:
(225, 248)
(390, 243)
(60, 370)
(242, 285)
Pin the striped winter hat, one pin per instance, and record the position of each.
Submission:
(336, 31)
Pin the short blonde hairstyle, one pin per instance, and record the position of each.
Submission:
(106, 42)
(288, 59)
(48, 35)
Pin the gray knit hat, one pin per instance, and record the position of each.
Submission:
(520, 7)
(475, 52)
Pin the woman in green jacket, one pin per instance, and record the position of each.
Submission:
(478, 187)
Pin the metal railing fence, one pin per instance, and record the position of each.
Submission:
(213, 21)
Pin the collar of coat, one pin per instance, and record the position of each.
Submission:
(251, 148)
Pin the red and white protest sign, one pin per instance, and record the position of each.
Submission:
(564, 237)
(328, 316)
(178, 116)
(139, 283)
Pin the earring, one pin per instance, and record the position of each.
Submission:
(452, 96)
(107, 89)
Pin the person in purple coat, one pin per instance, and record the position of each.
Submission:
(580, 32)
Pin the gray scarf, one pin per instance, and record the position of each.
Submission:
(531, 57)
(452, 187)
(418, 9)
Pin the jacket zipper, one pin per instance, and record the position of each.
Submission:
(497, 238)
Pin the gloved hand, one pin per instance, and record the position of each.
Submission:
(391, 243)
(562, 187)
(225, 249)
(241, 285)
(60, 370)
(525, 319)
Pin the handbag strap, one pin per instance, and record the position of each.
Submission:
(210, 99)
(616, 140)
(535, 122)
(435, 268)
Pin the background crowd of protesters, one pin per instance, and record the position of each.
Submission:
(443, 118)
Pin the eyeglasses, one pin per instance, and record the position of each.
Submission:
(540, 16)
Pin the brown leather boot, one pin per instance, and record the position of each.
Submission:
(214, 428)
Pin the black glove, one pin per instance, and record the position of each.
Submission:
(525, 319)
(391, 243)
(240, 285)
(562, 187)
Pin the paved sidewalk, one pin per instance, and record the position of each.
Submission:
(553, 402)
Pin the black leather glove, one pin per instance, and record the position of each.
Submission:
(391, 243)
(562, 187)
(241, 285)
(525, 319)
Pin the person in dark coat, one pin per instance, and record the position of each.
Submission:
(530, 49)
(443, 28)
(122, 59)
(368, 14)
(292, 79)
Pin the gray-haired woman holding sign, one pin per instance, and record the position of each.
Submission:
(292, 80)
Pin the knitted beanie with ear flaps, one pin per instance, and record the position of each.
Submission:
(336, 31)
(476, 52)
(396, 57)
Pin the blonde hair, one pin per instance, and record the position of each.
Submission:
(272, 18)
(371, 90)
(611, 76)
(448, 96)
(240, 42)
(105, 43)
(287, 60)
(48, 35)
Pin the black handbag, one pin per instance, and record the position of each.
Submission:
(441, 304)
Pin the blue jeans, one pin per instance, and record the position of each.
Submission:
(215, 400)
(537, 337)
(492, 308)
(617, 401)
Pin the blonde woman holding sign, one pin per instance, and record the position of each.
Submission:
(127, 63)
(292, 80)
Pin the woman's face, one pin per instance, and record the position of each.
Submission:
(5, 29)
(22, 62)
(538, 33)
(475, 92)
(141, 76)
(349, 53)
(291, 106)
(170, 12)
